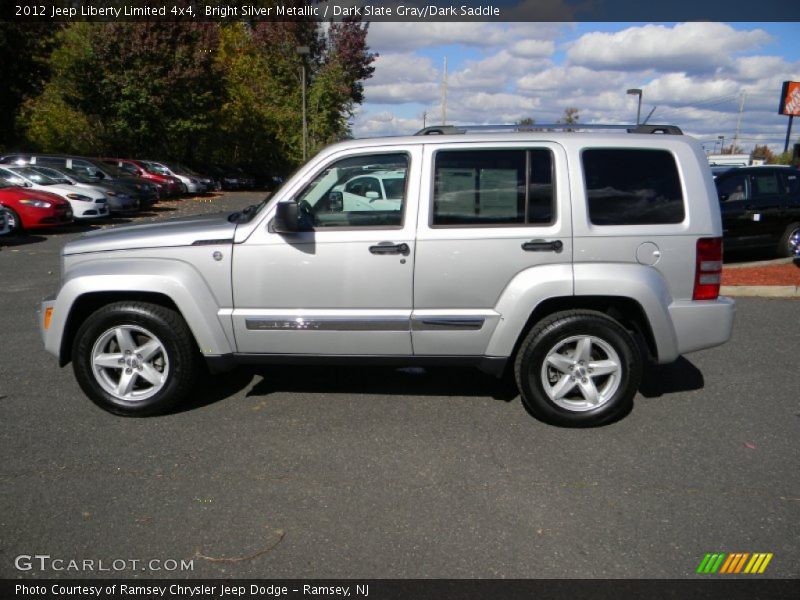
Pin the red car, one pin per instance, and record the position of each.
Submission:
(168, 186)
(29, 209)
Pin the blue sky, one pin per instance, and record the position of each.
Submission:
(696, 74)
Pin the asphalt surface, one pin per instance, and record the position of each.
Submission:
(380, 473)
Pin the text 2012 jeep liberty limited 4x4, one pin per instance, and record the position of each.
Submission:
(567, 258)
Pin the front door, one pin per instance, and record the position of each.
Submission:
(343, 285)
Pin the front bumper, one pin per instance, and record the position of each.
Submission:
(47, 303)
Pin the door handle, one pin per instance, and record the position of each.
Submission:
(543, 246)
(390, 248)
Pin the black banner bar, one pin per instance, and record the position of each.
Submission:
(421, 11)
(744, 588)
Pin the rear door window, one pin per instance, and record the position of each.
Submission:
(493, 187)
(632, 186)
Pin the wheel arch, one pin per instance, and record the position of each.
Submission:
(171, 284)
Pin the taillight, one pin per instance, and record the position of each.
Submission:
(708, 269)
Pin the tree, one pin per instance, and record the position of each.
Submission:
(228, 93)
(762, 153)
(146, 88)
(733, 149)
(25, 48)
(571, 117)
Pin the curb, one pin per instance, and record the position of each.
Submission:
(761, 291)
(760, 263)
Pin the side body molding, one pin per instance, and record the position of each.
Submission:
(173, 278)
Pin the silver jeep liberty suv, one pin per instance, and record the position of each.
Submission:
(567, 258)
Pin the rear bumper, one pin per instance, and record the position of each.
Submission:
(702, 324)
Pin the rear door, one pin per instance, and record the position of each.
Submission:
(767, 204)
(488, 212)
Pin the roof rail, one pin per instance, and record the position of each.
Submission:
(461, 129)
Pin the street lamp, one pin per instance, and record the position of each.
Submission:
(304, 51)
(637, 92)
(721, 139)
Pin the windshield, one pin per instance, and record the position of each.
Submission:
(33, 175)
(79, 178)
(155, 168)
(53, 174)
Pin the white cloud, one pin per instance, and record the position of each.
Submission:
(494, 72)
(694, 73)
(571, 79)
(691, 47)
(408, 36)
(532, 48)
(678, 88)
(401, 78)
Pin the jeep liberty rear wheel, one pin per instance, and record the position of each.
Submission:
(135, 358)
(578, 368)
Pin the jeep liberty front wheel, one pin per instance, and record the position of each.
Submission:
(135, 358)
(578, 369)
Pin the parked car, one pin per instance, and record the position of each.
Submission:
(231, 178)
(191, 183)
(717, 170)
(30, 209)
(566, 258)
(85, 203)
(141, 189)
(760, 208)
(168, 185)
(119, 199)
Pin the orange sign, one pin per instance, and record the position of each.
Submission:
(790, 99)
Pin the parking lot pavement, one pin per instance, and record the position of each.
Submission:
(377, 472)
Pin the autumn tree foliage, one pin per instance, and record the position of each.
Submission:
(198, 92)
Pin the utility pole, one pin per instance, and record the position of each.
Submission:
(739, 120)
(304, 51)
(424, 119)
(444, 93)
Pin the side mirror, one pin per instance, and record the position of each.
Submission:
(372, 195)
(287, 218)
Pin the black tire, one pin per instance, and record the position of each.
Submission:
(788, 246)
(178, 358)
(16, 228)
(557, 331)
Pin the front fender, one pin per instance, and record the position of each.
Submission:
(177, 280)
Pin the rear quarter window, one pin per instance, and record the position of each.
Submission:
(631, 186)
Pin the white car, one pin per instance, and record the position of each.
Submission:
(193, 184)
(86, 203)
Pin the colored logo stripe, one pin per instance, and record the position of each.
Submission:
(735, 562)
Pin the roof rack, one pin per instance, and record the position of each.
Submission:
(461, 129)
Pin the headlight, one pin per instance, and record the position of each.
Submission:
(112, 194)
(35, 203)
(80, 197)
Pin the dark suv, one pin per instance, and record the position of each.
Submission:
(760, 208)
